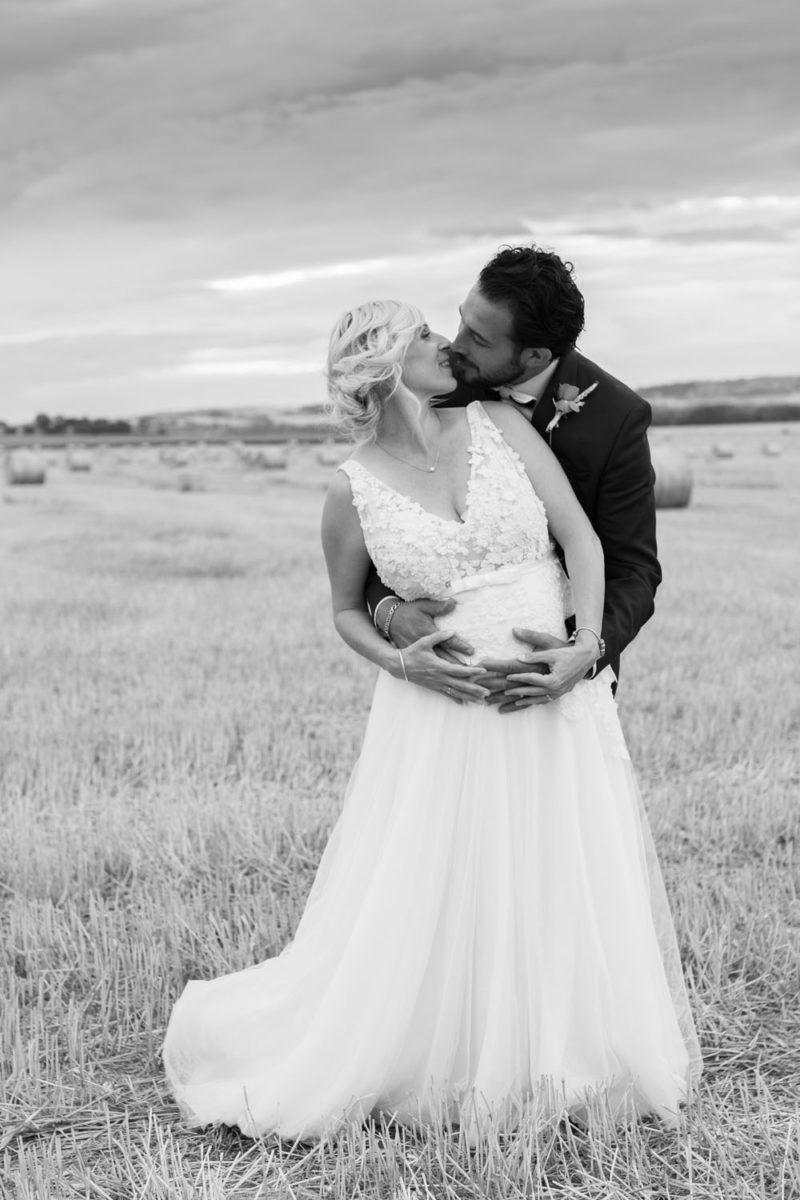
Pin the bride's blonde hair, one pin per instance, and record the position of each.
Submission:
(366, 352)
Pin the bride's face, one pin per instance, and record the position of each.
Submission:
(426, 367)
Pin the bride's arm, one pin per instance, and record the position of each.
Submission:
(570, 527)
(348, 564)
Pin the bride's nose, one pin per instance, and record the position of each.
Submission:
(442, 342)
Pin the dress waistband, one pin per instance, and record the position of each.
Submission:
(509, 573)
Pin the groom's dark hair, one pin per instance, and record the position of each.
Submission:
(545, 301)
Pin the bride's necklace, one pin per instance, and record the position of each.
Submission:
(429, 470)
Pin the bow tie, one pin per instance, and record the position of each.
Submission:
(509, 393)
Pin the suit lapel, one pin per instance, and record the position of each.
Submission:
(567, 372)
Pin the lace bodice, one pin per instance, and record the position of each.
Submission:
(418, 553)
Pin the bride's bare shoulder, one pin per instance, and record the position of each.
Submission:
(339, 516)
(505, 416)
(340, 489)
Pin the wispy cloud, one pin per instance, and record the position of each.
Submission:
(299, 275)
(241, 368)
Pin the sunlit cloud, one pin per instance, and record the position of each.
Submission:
(243, 368)
(74, 333)
(299, 275)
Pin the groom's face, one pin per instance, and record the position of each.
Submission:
(484, 350)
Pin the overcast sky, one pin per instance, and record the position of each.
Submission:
(192, 190)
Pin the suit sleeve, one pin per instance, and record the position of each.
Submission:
(626, 525)
(375, 590)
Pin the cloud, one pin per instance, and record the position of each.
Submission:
(245, 368)
(236, 173)
(283, 279)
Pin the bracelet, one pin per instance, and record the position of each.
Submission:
(402, 664)
(601, 645)
(376, 611)
(392, 609)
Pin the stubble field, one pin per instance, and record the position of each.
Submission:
(177, 724)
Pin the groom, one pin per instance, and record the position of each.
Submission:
(516, 342)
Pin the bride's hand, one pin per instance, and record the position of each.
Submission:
(547, 674)
(425, 667)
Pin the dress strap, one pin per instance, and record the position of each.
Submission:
(354, 472)
(359, 482)
(481, 422)
(492, 437)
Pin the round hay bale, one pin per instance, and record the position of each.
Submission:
(771, 450)
(266, 458)
(722, 450)
(330, 456)
(273, 458)
(25, 466)
(78, 459)
(674, 479)
(172, 457)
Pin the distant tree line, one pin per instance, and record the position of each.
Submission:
(698, 390)
(723, 414)
(664, 413)
(45, 426)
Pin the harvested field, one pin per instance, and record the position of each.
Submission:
(178, 721)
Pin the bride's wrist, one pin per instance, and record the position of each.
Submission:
(589, 641)
(393, 661)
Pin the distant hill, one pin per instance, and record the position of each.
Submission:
(771, 386)
(693, 402)
(725, 401)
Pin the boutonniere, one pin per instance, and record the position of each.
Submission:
(569, 400)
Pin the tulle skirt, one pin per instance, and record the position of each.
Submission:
(487, 937)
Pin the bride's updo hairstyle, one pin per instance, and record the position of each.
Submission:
(365, 359)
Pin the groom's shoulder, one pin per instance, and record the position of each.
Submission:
(464, 394)
(616, 394)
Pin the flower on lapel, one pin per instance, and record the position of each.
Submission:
(569, 400)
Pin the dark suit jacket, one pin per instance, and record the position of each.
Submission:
(605, 455)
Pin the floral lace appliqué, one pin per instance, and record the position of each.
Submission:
(417, 553)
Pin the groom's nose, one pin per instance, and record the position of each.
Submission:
(457, 344)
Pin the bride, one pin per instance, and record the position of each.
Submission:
(487, 937)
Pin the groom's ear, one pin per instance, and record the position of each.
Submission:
(536, 356)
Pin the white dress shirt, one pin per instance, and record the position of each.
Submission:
(526, 395)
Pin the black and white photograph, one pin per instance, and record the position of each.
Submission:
(399, 650)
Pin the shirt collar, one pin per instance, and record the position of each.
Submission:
(531, 389)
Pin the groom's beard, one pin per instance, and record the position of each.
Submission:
(500, 376)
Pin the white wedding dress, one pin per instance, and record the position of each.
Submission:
(488, 934)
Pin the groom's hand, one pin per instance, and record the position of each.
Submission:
(415, 619)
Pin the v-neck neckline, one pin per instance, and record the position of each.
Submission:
(458, 521)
